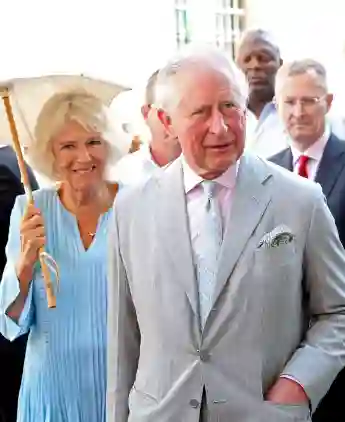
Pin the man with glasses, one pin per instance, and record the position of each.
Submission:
(303, 100)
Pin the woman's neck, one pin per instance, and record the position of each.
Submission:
(97, 199)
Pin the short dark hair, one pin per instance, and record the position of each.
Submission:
(259, 35)
(150, 96)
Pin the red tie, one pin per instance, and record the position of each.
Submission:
(302, 166)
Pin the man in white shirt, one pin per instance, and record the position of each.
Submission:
(303, 100)
(158, 153)
(258, 56)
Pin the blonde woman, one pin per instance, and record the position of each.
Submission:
(64, 377)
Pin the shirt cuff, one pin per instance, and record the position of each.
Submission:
(289, 377)
(9, 291)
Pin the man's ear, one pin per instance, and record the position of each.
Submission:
(145, 109)
(329, 101)
(164, 119)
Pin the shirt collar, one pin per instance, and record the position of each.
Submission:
(145, 152)
(269, 108)
(315, 151)
(192, 180)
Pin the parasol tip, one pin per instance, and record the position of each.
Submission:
(5, 88)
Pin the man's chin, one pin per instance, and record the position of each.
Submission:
(262, 93)
(302, 136)
(214, 171)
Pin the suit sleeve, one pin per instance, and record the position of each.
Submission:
(32, 179)
(123, 334)
(9, 287)
(321, 356)
(9, 188)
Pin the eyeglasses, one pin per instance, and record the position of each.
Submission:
(307, 103)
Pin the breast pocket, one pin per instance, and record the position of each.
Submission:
(274, 257)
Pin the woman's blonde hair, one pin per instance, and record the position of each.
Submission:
(85, 109)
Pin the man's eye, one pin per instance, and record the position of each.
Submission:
(264, 59)
(229, 105)
(308, 101)
(198, 112)
(229, 108)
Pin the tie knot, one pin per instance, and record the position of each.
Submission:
(209, 187)
(303, 159)
(302, 166)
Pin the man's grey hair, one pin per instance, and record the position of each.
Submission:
(302, 67)
(208, 58)
(150, 94)
(86, 110)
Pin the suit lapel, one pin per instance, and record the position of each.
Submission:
(331, 164)
(173, 227)
(284, 159)
(249, 202)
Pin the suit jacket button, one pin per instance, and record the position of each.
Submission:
(194, 403)
(204, 356)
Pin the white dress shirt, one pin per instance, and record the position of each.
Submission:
(136, 167)
(314, 152)
(195, 200)
(265, 136)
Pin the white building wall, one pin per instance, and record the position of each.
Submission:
(202, 21)
(125, 40)
(118, 39)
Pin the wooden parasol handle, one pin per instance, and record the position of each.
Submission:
(51, 299)
(136, 142)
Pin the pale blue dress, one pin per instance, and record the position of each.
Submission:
(64, 378)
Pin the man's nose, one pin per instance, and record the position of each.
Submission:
(298, 109)
(217, 123)
(253, 63)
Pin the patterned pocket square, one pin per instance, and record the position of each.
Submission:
(281, 235)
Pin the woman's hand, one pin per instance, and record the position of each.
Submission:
(32, 238)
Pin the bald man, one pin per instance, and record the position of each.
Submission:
(259, 58)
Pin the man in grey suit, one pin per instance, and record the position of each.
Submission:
(227, 286)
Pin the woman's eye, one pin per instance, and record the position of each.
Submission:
(95, 141)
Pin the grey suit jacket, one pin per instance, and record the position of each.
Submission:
(278, 306)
